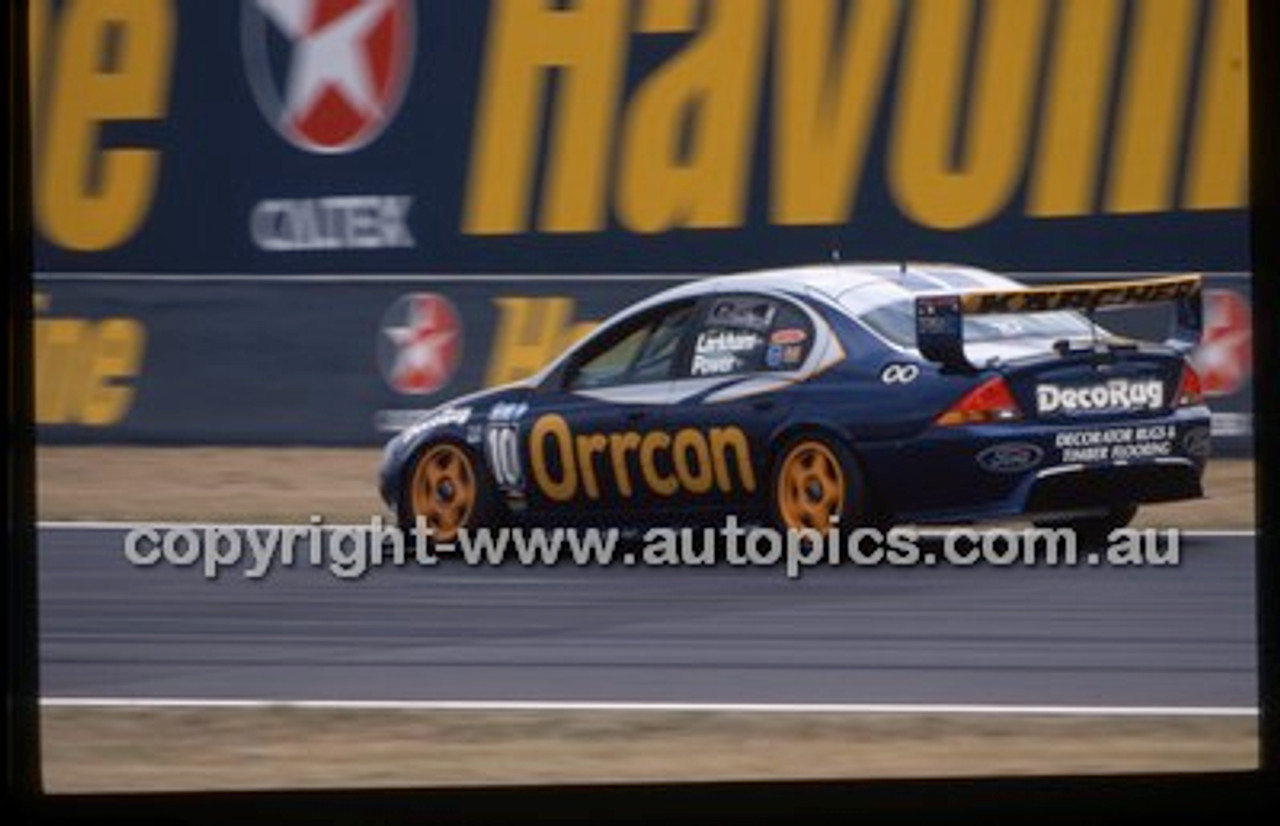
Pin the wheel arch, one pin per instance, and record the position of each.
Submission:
(876, 508)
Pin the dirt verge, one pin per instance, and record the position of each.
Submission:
(182, 749)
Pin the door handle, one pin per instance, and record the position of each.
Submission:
(762, 404)
(634, 415)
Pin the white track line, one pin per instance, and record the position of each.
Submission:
(573, 705)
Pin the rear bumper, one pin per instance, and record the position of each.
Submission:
(1080, 487)
(1015, 469)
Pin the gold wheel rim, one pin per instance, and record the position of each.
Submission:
(444, 490)
(810, 487)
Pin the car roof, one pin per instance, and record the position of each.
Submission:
(856, 286)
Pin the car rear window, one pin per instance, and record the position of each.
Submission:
(896, 321)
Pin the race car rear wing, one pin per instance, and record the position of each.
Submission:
(940, 318)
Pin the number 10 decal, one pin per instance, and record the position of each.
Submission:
(502, 445)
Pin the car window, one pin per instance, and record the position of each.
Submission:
(641, 350)
(896, 321)
(657, 357)
(750, 333)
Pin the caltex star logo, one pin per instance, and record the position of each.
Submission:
(1224, 358)
(420, 343)
(328, 74)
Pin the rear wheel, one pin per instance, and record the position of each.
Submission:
(1094, 530)
(448, 489)
(816, 486)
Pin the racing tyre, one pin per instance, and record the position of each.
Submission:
(450, 488)
(1093, 531)
(815, 479)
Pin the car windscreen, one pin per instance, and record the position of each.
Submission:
(896, 321)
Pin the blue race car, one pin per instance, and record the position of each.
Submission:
(821, 395)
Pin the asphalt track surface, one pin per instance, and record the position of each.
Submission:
(1168, 637)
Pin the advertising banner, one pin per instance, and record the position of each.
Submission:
(506, 136)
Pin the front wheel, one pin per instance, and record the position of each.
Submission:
(1093, 530)
(446, 487)
(816, 486)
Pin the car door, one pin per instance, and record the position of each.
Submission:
(732, 383)
(595, 425)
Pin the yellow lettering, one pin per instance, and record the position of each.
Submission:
(619, 445)
(667, 16)
(588, 447)
(529, 39)
(88, 197)
(697, 460)
(687, 146)
(696, 475)
(657, 482)
(1065, 177)
(530, 333)
(825, 105)
(724, 439)
(60, 356)
(1218, 166)
(117, 355)
(930, 188)
(555, 427)
(80, 366)
(1145, 155)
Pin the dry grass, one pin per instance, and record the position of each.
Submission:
(288, 485)
(222, 484)
(170, 749)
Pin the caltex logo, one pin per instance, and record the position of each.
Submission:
(420, 344)
(328, 74)
(1224, 358)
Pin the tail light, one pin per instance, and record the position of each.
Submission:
(990, 401)
(1189, 390)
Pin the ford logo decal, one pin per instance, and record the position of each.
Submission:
(1010, 457)
(1197, 442)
